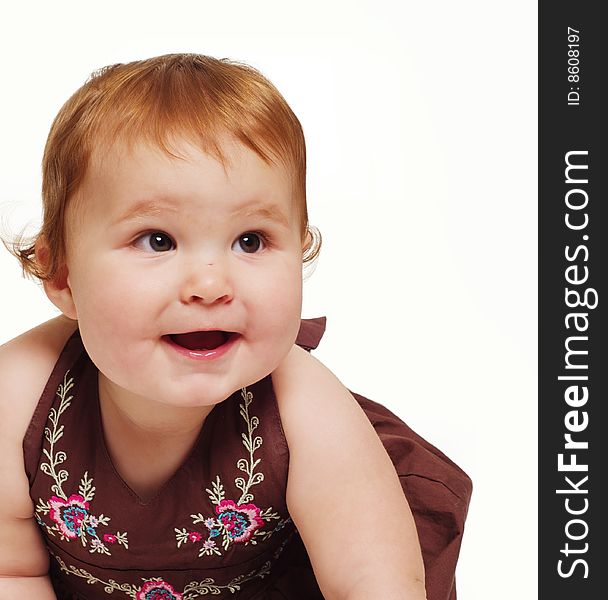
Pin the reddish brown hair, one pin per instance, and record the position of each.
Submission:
(155, 100)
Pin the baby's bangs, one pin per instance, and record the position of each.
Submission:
(196, 98)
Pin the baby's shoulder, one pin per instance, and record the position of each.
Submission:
(301, 370)
(26, 363)
(310, 396)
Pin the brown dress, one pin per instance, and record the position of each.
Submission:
(220, 525)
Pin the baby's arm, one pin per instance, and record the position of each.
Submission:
(25, 365)
(343, 492)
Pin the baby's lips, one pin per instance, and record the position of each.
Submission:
(201, 340)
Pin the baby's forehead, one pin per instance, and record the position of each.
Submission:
(181, 168)
(224, 148)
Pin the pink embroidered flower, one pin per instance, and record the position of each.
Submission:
(239, 520)
(157, 590)
(108, 537)
(208, 544)
(195, 536)
(209, 523)
(69, 515)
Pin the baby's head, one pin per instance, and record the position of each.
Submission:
(175, 226)
(189, 96)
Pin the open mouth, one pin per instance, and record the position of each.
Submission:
(201, 340)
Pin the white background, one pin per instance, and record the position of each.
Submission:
(420, 121)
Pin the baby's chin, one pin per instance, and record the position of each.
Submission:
(193, 393)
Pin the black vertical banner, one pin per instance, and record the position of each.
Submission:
(573, 301)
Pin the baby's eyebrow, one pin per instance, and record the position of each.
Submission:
(266, 212)
(146, 208)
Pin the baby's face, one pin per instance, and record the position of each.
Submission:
(186, 278)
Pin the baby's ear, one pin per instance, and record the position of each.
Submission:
(56, 288)
(311, 244)
(307, 242)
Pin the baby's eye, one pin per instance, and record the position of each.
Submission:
(157, 241)
(248, 242)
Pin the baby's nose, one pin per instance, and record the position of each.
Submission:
(207, 284)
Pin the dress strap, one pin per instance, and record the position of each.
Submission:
(72, 352)
(311, 332)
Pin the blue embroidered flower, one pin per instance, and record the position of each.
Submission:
(157, 590)
(69, 515)
(240, 521)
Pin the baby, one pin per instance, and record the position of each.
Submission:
(170, 436)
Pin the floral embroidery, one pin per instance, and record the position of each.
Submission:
(241, 521)
(158, 589)
(70, 516)
(195, 536)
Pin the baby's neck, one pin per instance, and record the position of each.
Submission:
(147, 442)
(149, 419)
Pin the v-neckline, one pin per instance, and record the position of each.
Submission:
(208, 423)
